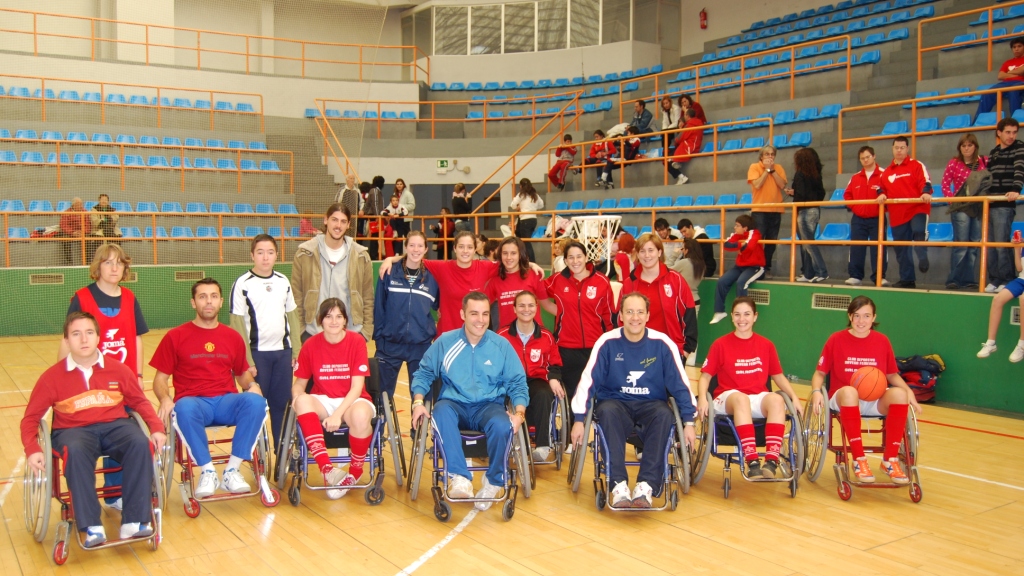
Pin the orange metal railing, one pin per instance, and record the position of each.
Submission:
(912, 132)
(485, 106)
(921, 50)
(48, 25)
(661, 80)
(667, 155)
(120, 149)
(160, 93)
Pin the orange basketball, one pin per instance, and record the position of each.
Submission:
(870, 383)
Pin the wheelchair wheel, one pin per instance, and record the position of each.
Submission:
(845, 490)
(726, 486)
(285, 448)
(524, 460)
(374, 496)
(600, 499)
(579, 453)
(419, 450)
(37, 489)
(167, 458)
(295, 491)
(816, 434)
(508, 509)
(680, 451)
(793, 446)
(701, 452)
(673, 500)
(562, 425)
(394, 437)
(911, 440)
(442, 511)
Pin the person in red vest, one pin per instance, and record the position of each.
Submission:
(121, 323)
(907, 178)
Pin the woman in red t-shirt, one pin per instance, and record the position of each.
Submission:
(743, 362)
(845, 352)
(514, 276)
(337, 362)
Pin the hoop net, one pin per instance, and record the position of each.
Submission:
(596, 233)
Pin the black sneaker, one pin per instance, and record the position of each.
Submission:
(952, 286)
(972, 286)
(905, 284)
(923, 265)
(770, 468)
(754, 469)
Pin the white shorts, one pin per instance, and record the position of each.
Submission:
(332, 404)
(755, 402)
(866, 408)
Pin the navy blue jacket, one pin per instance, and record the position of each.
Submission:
(402, 312)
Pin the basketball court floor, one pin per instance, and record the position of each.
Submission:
(970, 521)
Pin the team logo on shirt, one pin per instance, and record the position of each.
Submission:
(269, 288)
(591, 292)
(534, 355)
(668, 290)
(209, 347)
(631, 380)
(363, 368)
(110, 333)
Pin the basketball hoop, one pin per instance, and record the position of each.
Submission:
(596, 234)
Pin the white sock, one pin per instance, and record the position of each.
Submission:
(1020, 343)
(233, 463)
(208, 467)
(129, 528)
(990, 342)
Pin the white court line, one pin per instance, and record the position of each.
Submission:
(14, 473)
(972, 478)
(437, 547)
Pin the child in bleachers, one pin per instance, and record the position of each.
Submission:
(749, 263)
(566, 153)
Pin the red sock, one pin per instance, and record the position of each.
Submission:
(313, 432)
(358, 448)
(748, 443)
(849, 417)
(895, 423)
(773, 440)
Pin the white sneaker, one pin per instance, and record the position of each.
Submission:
(348, 480)
(991, 289)
(568, 448)
(1000, 287)
(136, 530)
(803, 278)
(117, 505)
(620, 496)
(1018, 354)
(642, 495)
(718, 317)
(886, 282)
(853, 281)
(541, 453)
(334, 478)
(987, 350)
(818, 279)
(94, 536)
(207, 484)
(682, 180)
(234, 483)
(488, 491)
(459, 487)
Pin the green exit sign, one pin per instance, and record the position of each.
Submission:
(442, 164)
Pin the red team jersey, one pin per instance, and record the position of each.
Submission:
(332, 366)
(455, 283)
(844, 353)
(117, 333)
(743, 365)
(202, 361)
(504, 293)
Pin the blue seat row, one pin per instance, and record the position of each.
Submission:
(843, 11)
(781, 118)
(796, 140)
(136, 161)
(479, 100)
(557, 83)
(953, 122)
(804, 52)
(538, 112)
(998, 15)
(137, 100)
(972, 39)
(367, 114)
(104, 138)
(823, 65)
(147, 206)
(21, 233)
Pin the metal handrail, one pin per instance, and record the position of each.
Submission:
(199, 50)
(988, 41)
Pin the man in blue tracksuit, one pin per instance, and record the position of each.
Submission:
(631, 373)
(404, 327)
(478, 370)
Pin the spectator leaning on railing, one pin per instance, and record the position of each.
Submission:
(1011, 74)
(865, 185)
(964, 216)
(1006, 163)
(642, 117)
(767, 180)
(907, 178)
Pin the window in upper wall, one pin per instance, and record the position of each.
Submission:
(614, 21)
(451, 30)
(520, 20)
(646, 21)
(485, 30)
(583, 22)
(551, 24)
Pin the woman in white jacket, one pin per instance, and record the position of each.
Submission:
(527, 202)
(408, 202)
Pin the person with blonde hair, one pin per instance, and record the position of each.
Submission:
(964, 216)
(527, 202)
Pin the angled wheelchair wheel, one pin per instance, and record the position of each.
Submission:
(419, 451)
(38, 491)
(167, 458)
(579, 453)
(508, 509)
(794, 444)
(524, 460)
(562, 425)
(911, 441)
(816, 434)
(701, 452)
(394, 437)
(285, 450)
(680, 451)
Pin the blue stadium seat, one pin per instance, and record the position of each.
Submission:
(12, 206)
(578, 205)
(456, 87)
(50, 135)
(287, 209)
(147, 140)
(171, 141)
(9, 156)
(171, 207)
(139, 100)
(231, 232)
(731, 145)
(195, 208)
(807, 114)
(219, 208)
(747, 198)
(26, 135)
(631, 230)
(269, 166)
(84, 160)
(182, 103)
(251, 231)
(145, 206)
(109, 160)
(956, 121)
(214, 143)
(249, 165)
(224, 106)
(194, 142)
(101, 137)
(313, 113)
(474, 115)
(157, 162)
(495, 114)
(52, 158)
(714, 231)
(370, 114)
(835, 231)
(625, 203)
(32, 157)
(726, 200)
(131, 232)
(46, 95)
(704, 200)
(780, 141)
(926, 124)
(830, 111)
(40, 206)
(116, 99)
(203, 105)
(179, 162)
(707, 147)
(608, 204)
(645, 202)
(257, 146)
(389, 115)
(895, 127)
(474, 86)
(837, 196)
(264, 209)
(125, 139)
(203, 164)
(756, 142)
(243, 208)
(940, 232)
(17, 233)
(121, 206)
(225, 164)
(206, 232)
(161, 232)
(438, 86)
(799, 139)
(986, 119)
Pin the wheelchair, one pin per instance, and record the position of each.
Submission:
(823, 437)
(716, 435)
(474, 445)
(677, 463)
(293, 455)
(558, 439)
(40, 487)
(259, 468)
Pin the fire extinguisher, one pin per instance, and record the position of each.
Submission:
(704, 19)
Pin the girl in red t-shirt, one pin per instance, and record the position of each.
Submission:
(514, 276)
(743, 362)
(846, 351)
(337, 362)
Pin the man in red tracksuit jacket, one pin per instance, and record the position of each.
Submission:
(907, 178)
(88, 393)
(865, 185)
(538, 352)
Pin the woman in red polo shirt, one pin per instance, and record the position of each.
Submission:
(336, 360)
(846, 351)
(743, 362)
(514, 276)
